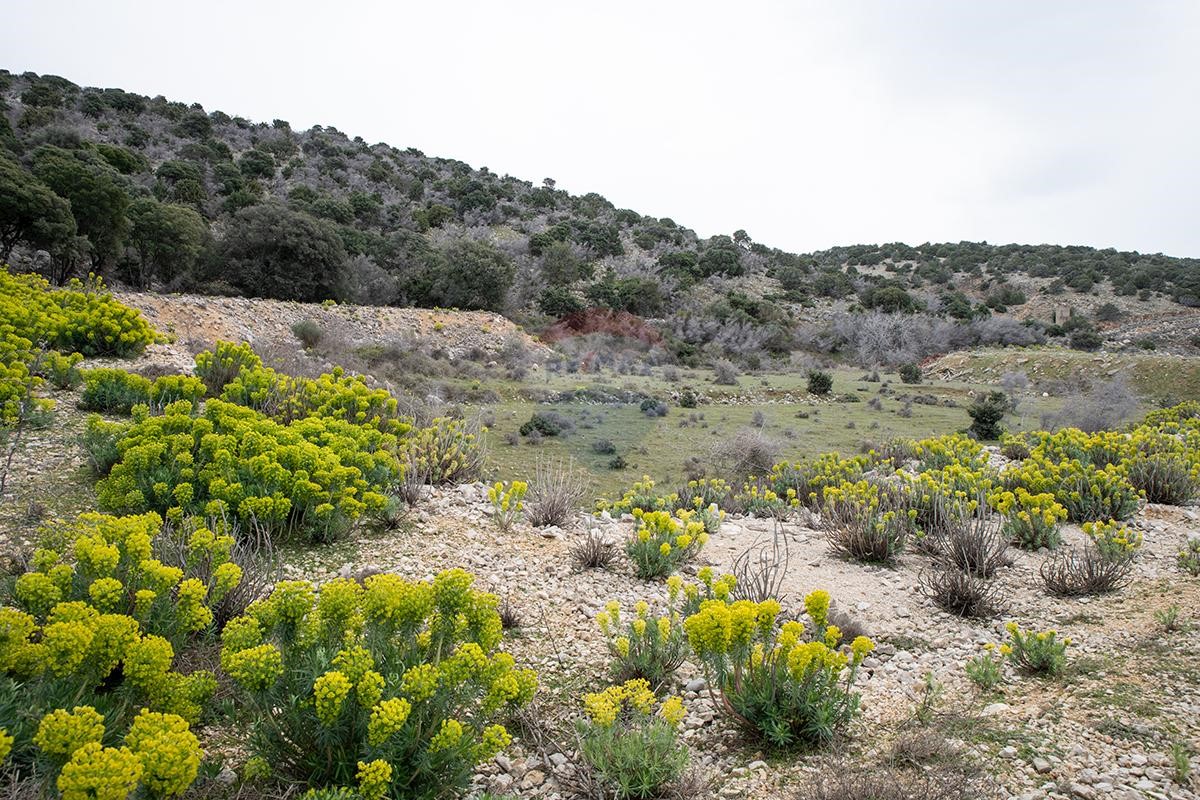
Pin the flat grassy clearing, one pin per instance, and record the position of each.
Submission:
(802, 425)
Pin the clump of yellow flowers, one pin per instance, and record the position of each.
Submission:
(632, 745)
(662, 542)
(646, 646)
(1116, 542)
(1036, 652)
(508, 503)
(1031, 521)
(397, 676)
(789, 683)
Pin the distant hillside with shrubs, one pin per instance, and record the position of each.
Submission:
(159, 194)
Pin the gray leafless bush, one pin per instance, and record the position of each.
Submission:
(555, 493)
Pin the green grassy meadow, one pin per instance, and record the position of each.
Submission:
(800, 424)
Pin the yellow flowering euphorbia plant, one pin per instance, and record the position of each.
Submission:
(789, 683)
(342, 679)
(508, 503)
(661, 543)
(87, 660)
(630, 739)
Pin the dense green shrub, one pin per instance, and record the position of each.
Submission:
(986, 413)
(911, 373)
(61, 371)
(113, 390)
(547, 423)
(819, 383)
(391, 686)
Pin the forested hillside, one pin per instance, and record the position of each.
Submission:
(160, 194)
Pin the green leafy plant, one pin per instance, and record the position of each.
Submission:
(113, 390)
(986, 670)
(644, 647)
(660, 542)
(508, 503)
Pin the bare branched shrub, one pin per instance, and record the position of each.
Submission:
(958, 592)
(413, 479)
(555, 493)
(725, 373)
(1080, 571)
(510, 616)
(976, 543)
(761, 568)
(1103, 407)
(750, 452)
(593, 550)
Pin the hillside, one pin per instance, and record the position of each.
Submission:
(161, 194)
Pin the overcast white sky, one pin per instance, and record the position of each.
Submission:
(808, 124)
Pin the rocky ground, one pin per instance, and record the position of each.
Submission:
(1105, 729)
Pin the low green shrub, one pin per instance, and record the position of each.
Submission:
(819, 383)
(644, 647)
(114, 391)
(1037, 653)
(389, 686)
(632, 748)
(62, 371)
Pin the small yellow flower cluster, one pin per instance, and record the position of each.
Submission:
(507, 501)
(660, 542)
(1030, 520)
(632, 697)
(1115, 541)
(1036, 652)
(373, 779)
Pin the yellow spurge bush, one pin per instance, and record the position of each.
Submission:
(630, 739)
(953, 449)
(758, 499)
(1031, 521)
(448, 451)
(331, 396)
(642, 496)
(645, 646)
(227, 360)
(405, 673)
(806, 481)
(313, 477)
(508, 503)
(81, 317)
(1038, 653)
(108, 562)
(790, 684)
(1086, 491)
(661, 543)
(703, 492)
(113, 390)
(1115, 541)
